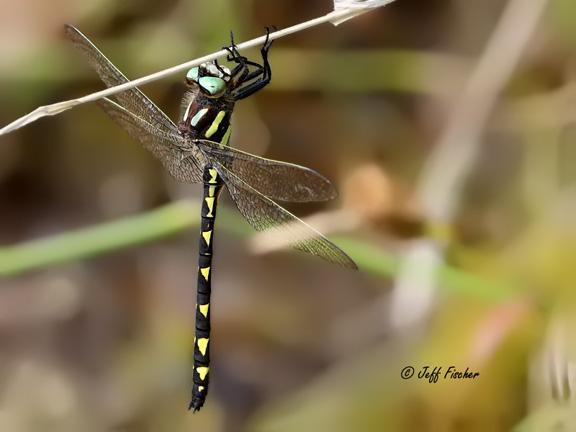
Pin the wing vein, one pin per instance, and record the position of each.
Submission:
(263, 214)
(278, 180)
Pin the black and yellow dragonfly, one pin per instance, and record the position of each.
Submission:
(196, 151)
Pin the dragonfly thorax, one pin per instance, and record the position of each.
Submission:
(206, 118)
(207, 106)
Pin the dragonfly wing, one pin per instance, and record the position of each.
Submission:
(264, 215)
(133, 100)
(282, 181)
(184, 162)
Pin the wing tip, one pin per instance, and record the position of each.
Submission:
(347, 262)
(70, 30)
(352, 265)
(330, 190)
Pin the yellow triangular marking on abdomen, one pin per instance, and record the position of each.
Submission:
(210, 204)
(207, 235)
(202, 372)
(205, 272)
(212, 191)
(204, 309)
(201, 388)
(213, 175)
(203, 345)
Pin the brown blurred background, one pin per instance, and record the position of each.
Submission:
(103, 343)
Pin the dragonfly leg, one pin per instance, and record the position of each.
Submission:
(241, 61)
(235, 56)
(222, 71)
(263, 73)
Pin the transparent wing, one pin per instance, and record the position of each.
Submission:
(278, 180)
(133, 100)
(264, 215)
(183, 162)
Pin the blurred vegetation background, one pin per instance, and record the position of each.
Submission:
(96, 336)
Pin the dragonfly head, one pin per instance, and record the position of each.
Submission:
(211, 78)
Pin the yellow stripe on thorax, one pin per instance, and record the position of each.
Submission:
(215, 124)
(226, 137)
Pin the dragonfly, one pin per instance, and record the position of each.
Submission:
(196, 150)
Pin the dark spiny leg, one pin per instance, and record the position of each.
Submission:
(222, 71)
(235, 56)
(250, 89)
(233, 49)
(238, 59)
(248, 75)
(254, 74)
(245, 78)
(237, 69)
(244, 71)
(200, 376)
(254, 64)
(265, 73)
(251, 63)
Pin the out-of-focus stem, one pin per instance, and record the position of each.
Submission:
(444, 174)
(183, 215)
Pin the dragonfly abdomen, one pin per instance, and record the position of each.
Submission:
(212, 187)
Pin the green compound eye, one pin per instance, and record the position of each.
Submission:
(192, 74)
(213, 85)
